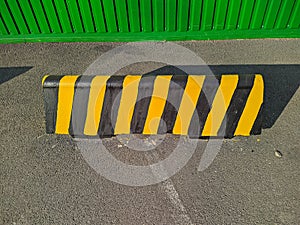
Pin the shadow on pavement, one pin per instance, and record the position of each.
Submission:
(7, 73)
(281, 82)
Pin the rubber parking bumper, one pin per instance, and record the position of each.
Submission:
(195, 105)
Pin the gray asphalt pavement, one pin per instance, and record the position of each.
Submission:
(45, 179)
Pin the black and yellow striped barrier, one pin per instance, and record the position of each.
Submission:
(194, 105)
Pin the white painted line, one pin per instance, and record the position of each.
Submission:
(179, 212)
(182, 217)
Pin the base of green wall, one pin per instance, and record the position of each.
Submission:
(152, 36)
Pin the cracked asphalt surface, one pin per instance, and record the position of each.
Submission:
(45, 179)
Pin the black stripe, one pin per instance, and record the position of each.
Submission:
(205, 100)
(256, 129)
(176, 90)
(80, 105)
(236, 107)
(111, 105)
(142, 104)
(50, 91)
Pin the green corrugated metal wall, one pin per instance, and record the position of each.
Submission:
(136, 20)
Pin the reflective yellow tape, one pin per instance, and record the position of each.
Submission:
(64, 104)
(44, 78)
(95, 104)
(188, 104)
(220, 104)
(127, 103)
(157, 104)
(251, 108)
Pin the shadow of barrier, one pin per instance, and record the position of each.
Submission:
(8, 73)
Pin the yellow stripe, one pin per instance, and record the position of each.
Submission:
(157, 104)
(95, 104)
(64, 105)
(220, 104)
(127, 103)
(44, 78)
(252, 107)
(188, 104)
